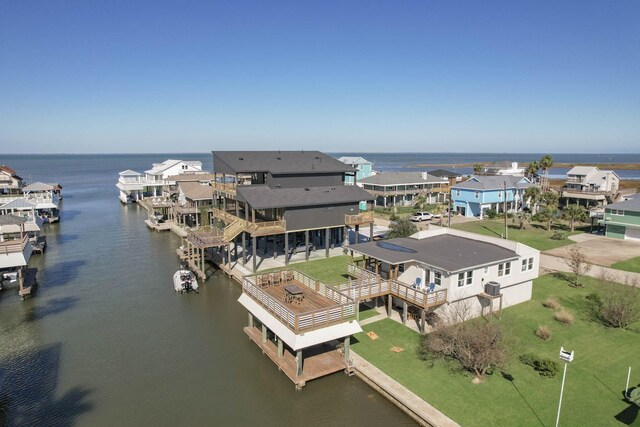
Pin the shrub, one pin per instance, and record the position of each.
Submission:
(619, 305)
(394, 217)
(558, 235)
(552, 303)
(543, 332)
(564, 316)
(491, 213)
(545, 367)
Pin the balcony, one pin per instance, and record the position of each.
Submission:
(358, 219)
(257, 228)
(13, 246)
(228, 189)
(322, 305)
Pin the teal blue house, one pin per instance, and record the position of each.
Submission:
(363, 166)
(622, 219)
(474, 197)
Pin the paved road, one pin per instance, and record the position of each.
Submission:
(553, 263)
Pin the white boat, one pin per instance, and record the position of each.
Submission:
(184, 281)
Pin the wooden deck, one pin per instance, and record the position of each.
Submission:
(164, 226)
(318, 361)
(312, 300)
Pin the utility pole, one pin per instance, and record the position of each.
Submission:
(450, 205)
(504, 210)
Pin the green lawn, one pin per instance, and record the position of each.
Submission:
(595, 379)
(632, 264)
(534, 235)
(327, 270)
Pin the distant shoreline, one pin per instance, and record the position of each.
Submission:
(618, 166)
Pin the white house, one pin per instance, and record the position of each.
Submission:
(484, 272)
(10, 182)
(591, 185)
(135, 186)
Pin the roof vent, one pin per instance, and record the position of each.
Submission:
(240, 158)
(306, 189)
(279, 158)
(317, 157)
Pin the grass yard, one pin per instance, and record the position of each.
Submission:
(632, 264)
(329, 271)
(595, 379)
(534, 235)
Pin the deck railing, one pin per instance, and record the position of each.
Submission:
(361, 218)
(343, 310)
(369, 285)
(204, 238)
(13, 246)
(233, 229)
(267, 227)
(226, 188)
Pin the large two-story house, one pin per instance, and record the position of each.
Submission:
(10, 182)
(135, 186)
(475, 196)
(363, 167)
(285, 201)
(591, 186)
(401, 188)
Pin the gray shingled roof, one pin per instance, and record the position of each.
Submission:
(491, 182)
(11, 220)
(628, 205)
(264, 197)
(196, 191)
(281, 162)
(440, 173)
(38, 186)
(444, 252)
(400, 178)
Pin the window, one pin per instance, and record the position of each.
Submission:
(457, 192)
(499, 194)
(485, 271)
(476, 195)
(530, 265)
(437, 278)
(524, 265)
(462, 281)
(504, 269)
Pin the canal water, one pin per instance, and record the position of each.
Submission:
(106, 341)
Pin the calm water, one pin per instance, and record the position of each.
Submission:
(107, 342)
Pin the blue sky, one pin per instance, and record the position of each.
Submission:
(426, 76)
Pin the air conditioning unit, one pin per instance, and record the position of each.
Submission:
(492, 288)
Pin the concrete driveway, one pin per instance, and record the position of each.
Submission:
(600, 250)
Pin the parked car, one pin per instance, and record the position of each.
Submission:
(421, 216)
(300, 248)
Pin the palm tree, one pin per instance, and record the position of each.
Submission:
(440, 209)
(419, 201)
(477, 168)
(532, 170)
(550, 198)
(401, 228)
(573, 214)
(545, 164)
(548, 215)
(521, 218)
(532, 196)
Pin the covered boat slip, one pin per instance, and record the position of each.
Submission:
(316, 322)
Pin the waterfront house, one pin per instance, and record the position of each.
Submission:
(363, 167)
(591, 186)
(195, 199)
(45, 197)
(135, 186)
(438, 267)
(401, 188)
(32, 225)
(481, 193)
(295, 200)
(298, 321)
(10, 182)
(622, 219)
(15, 251)
(501, 169)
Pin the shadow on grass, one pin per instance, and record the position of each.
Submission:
(631, 414)
(511, 379)
(492, 231)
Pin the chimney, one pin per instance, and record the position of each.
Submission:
(514, 165)
(424, 176)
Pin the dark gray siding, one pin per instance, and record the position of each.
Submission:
(318, 216)
(305, 180)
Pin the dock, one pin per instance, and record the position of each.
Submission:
(30, 282)
(326, 360)
(161, 226)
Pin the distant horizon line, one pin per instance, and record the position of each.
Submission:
(332, 152)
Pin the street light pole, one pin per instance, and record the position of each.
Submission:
(567, 357)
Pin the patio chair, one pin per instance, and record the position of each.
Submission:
(432, 287)
(416, 284)
(289, 276)
(277, 279)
